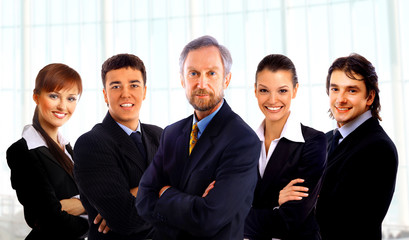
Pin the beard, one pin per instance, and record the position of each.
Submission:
(202, 104)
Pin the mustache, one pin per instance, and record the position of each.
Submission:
(201, 91)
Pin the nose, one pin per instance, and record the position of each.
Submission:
(202, 81)
(273, 98)
(61, 104)
(125, 92)
(341, 97)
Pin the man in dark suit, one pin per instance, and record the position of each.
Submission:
(111, 158)
(200, 184)
(362, 160)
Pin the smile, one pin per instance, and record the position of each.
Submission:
(342, 109)
(274, 108)
(59, 115)
(127, 105)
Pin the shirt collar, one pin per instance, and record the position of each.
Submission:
(202, 124)
(354, 124)
(35, 140)
(130, 131)
(291, 131)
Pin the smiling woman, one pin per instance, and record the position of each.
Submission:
(41, 161)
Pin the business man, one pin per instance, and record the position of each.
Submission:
(200, 184)
(111, 158)
(362, 160)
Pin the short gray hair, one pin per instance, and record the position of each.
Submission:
(206, 41)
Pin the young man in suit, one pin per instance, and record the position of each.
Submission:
(362, 160)
(200, 184)
(111, 158)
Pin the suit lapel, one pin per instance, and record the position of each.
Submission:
(124, 141)
(278, 162)
(45, 152)
(205, 142)
(350, 141)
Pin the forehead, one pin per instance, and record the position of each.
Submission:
(204, 57)
(341, 79)
(123, 74)
(270, 78)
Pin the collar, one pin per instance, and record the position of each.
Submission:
(354, 124)
(291, 131)
(35, 140)
(130, 131)
(202, 124)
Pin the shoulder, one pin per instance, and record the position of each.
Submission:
(152, 129)
(19, 145)
(310, 133)
(97, 135)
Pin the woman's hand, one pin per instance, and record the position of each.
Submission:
(72, 206)
(291, 192)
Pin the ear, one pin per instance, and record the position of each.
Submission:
(35, 98)
(182, 80)
(255, 89)
(144, 92)
(295, 90)
(105, 96)
(227, 80)
(370, 98)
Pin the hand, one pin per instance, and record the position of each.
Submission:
(134, 191)
(163, 190)
(291, 192)
(103, 227)
(72, 206)
(210, 187)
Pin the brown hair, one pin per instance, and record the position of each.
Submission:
(357, 64)
(54, 77)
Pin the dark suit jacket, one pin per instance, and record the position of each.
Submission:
(294, 219)
(107, 165)
(40, 183)
(358, 185)
(226, 152)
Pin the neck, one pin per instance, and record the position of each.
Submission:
(273, 129)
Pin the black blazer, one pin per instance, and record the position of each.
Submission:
(40, 183)
(226, 152)
(107, 165)
(358, 184)
(294, 219)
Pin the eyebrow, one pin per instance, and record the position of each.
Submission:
(131, 81)
(347, 86)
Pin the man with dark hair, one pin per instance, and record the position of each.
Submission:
(111, 158)
(362, 160)
(200, 184)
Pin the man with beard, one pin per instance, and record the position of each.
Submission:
(200, 184)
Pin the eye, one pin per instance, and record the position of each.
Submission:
(72, 99)
(212, 73)
(333, 89)
(262, 90)
(115, 87)
(352, 91)
(283, 90)
(53, 95)
(134, 85)
(193, 74)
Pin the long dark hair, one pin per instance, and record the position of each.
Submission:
(54, 77)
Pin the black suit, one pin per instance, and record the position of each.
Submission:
(294, 219)
(226, 152)
(358, 185)
(107, 165)
(40, 183)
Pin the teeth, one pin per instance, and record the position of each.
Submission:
(127, 105)
(60, 114)
(274, 108)
(343, 109)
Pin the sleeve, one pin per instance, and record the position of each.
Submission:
(35, 192)
(279, 222)
(235, 177)
(103, 183)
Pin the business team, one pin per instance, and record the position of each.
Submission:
(210, 176)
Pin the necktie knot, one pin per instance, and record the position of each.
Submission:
(335, 141)
(193, 137)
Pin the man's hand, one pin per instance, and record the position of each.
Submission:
(72, 206)
(103, 227)
(291, 192)
(210, 187)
